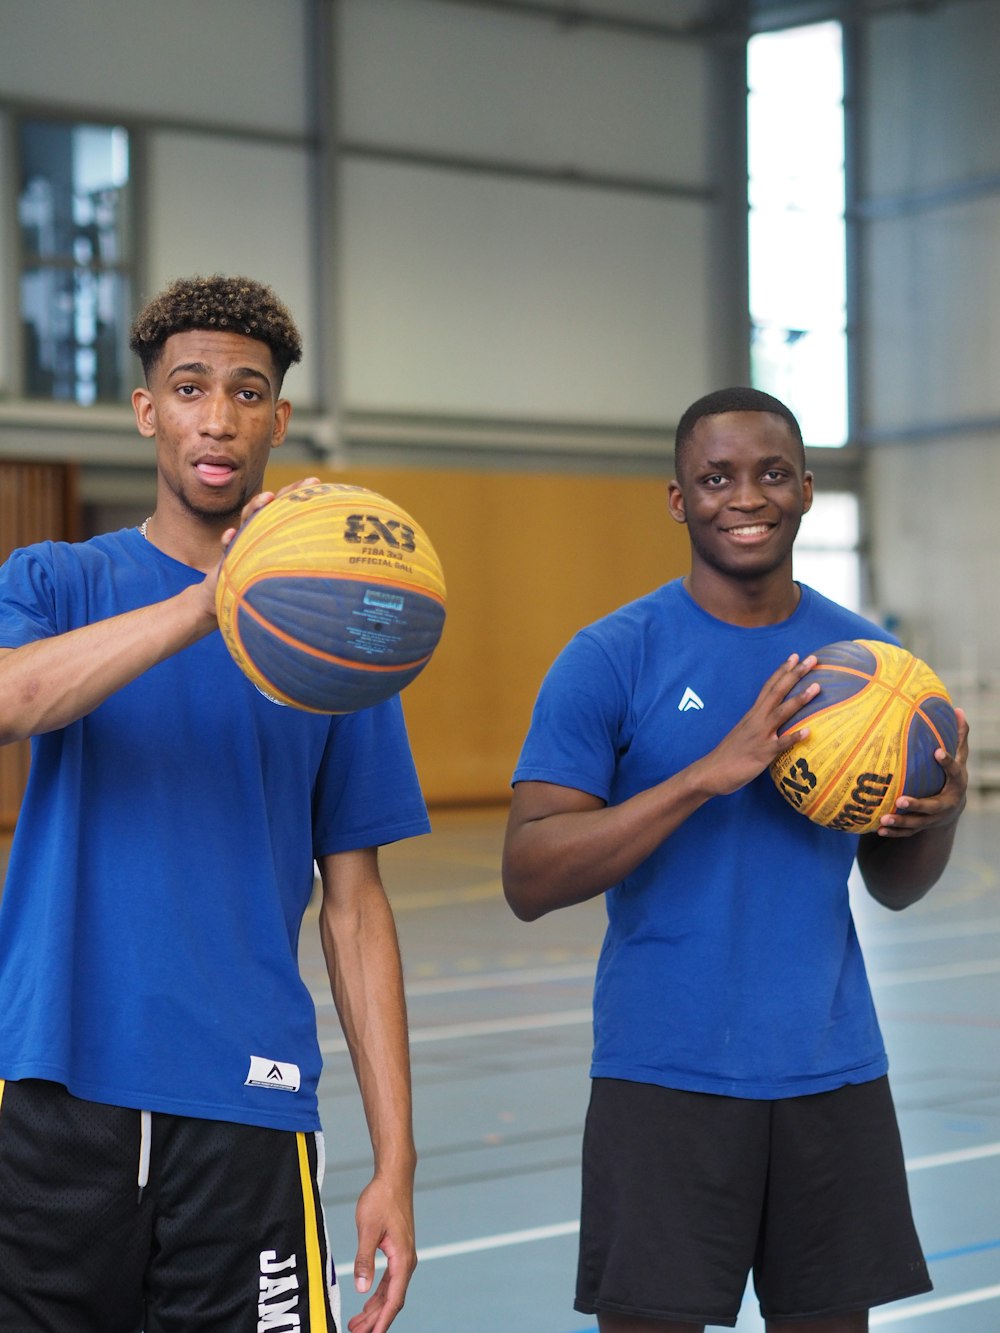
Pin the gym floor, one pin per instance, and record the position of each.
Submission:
(500, 1031)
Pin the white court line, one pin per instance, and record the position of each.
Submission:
(937, 972)
(533, 976)
(943, 930)
(481, 1243)
(494, 1027)
(903, 1312)
(504, 1238)
(529, 976)
(521, 976)
(877, 1317)
(496, 1242)
(488, 1027)
(953, 1158)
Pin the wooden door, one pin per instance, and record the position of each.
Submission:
(38, 501)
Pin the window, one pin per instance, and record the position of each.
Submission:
(76, 253)
(797, 238)
(798, 270)
(827, 555)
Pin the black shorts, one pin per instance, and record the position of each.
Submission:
(226, 1235)
(684, 1194)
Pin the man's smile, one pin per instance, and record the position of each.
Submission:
(749, 530)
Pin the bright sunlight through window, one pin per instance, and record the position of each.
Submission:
(797, 246)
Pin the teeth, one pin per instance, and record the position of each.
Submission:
(753, 531)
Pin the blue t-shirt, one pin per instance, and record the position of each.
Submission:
(730, 963)
(164, 857)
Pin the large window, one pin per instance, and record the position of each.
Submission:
(798, 270)
(795, 115)
(76, 256)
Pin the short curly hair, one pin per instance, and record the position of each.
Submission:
(739, 398)
(236, 304)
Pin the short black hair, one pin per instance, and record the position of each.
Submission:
(226, 304)
(738, 398)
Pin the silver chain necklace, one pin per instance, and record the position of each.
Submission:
(143, 526)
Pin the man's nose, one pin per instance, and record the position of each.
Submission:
(219, 415)
(747, 494)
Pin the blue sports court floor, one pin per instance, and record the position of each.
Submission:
(499, 1015)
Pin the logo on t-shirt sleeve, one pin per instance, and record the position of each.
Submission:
(273, 1074)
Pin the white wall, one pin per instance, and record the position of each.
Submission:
(229, 62)
(520, 88)
(8, 288)
(490, 215)
(932, 283)
(482, 293)
(219, 205)
(935, 547)
(932, 266)
(933, 98)
(931, 325)
(502, 298)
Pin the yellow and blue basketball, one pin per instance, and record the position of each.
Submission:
(331, 598)
(873, 729)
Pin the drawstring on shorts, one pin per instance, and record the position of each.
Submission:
(145, 1132)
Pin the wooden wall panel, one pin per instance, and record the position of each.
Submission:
(38, 501)
(528, 560)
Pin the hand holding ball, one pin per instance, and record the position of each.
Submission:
(874, 727)
(331, 598)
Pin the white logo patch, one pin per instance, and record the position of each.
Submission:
(273, 1074)
(688, 701)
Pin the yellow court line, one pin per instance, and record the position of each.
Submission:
(983, 878)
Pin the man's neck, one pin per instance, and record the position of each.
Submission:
(749, 604)
(190, 540)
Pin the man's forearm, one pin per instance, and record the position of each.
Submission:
(52, 682)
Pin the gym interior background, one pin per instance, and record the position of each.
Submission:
(515, 237)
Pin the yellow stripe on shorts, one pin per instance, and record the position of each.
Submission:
(314, 1258)
(3, 1084)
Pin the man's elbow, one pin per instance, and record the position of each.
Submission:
(521, 901)
(898, 899)
(523, 907)
(893, 904)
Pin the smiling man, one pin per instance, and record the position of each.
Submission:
(740, 1118)
(160, 1148)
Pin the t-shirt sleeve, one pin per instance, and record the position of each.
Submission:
(27, 599)
(577, 722)
(367, 792)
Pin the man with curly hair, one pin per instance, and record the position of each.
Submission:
(160, 1149)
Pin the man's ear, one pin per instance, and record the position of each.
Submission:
(675, 503)
(145, 412)
(282, 416)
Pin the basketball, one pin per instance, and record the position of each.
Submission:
(331, 598)
(873, 729)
